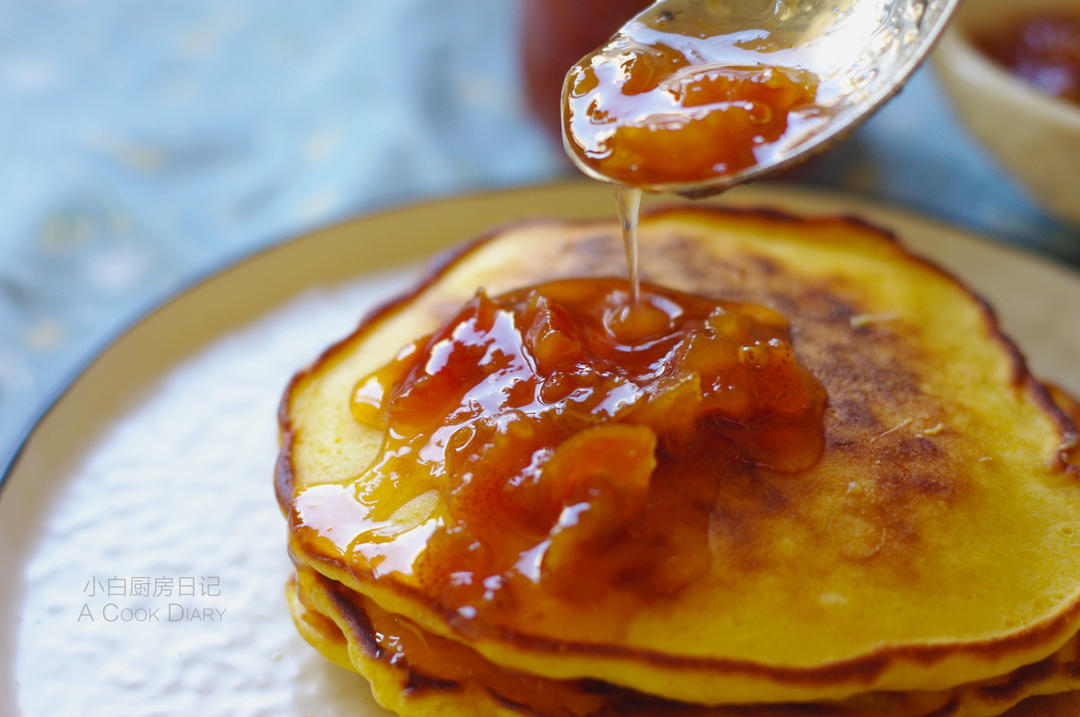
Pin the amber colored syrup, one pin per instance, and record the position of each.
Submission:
(627, 209)
(657, 108)
(1044, 50)
(552, 420)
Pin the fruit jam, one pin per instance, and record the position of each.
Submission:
(1043, 50)
(654, 108)
(564, 439)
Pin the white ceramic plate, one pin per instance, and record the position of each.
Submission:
(152, 473)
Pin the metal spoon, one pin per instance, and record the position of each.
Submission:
(861, 50)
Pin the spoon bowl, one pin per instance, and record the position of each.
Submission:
(860, 51)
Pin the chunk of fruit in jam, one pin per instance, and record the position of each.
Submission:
(564, 423)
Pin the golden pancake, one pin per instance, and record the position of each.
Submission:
(933, 544)
(416, 673)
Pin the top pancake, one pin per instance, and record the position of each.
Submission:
(934, 543)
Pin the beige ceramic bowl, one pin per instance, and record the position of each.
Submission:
(1036, 136)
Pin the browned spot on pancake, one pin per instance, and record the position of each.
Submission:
(950, 708)
(827, 303)
(418, 683)
(1060, 705)
(1072, 668)
(786, 305)
(765, 265)
(598, 255)
(745, 500)
(852, 373)
(597, 246)
(684, 257)
(598, 687)
(1017, 681)
(849, 411)
(1070, 406)
(359, 624)
(924, 483)
(510, 704)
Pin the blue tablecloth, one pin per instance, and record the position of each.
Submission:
(146, 142)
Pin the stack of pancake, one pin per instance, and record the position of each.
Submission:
(927, 564)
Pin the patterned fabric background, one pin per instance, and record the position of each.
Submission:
(144, 143)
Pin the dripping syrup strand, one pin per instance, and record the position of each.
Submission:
(627, 205)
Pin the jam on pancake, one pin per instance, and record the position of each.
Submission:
(576, 438)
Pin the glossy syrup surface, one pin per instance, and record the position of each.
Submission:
(560, 440)
(657, 108)
(628, 211)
